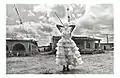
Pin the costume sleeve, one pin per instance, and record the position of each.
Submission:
(59, 27)
(73, 26)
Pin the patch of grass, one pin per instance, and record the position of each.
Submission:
(45, 64)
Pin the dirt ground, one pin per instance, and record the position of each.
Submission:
(45, 64)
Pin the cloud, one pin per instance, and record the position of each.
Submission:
(60, 10)
(31, 13)
(25, 11)
(40, 19)
(43, 8)
(97, 21)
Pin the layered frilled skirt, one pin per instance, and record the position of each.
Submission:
(67, 53)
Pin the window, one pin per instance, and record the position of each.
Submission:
(87, 44)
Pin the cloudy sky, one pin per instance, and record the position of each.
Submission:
(40, 20)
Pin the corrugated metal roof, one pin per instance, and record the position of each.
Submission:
(21, 39)
(76, 37)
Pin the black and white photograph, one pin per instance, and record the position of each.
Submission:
(59, 38)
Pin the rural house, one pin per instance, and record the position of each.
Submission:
(23, 47)
(83, 43)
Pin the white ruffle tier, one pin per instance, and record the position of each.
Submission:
(67, 53)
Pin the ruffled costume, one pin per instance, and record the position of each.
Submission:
(67, 51)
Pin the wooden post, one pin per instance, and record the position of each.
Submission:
(84, 44)
(93, 43)
(98, 44)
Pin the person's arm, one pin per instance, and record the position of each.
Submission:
(59, 26)
(73, 26)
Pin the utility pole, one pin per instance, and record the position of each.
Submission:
(107, 37)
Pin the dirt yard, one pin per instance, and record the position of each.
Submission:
(45, 64)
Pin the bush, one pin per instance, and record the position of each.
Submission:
(22, 53)
(8, 54)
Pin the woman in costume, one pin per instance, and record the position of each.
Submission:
(67, 51)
